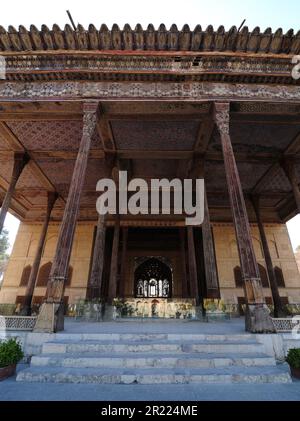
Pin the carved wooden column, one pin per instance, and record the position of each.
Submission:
(185, 293)
(51, 316)
(192, 265)
(95, 281)
(26, 310)
(210, 263)
(20, 161)
(289, 168)
(112, 287)
(123, 262)
(278, 310)
(257, 314)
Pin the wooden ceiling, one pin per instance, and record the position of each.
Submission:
(153, 140)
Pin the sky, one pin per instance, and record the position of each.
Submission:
(262, 13)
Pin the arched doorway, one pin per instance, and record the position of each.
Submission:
(153, 279)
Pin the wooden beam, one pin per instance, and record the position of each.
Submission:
(10, 139)
(104, 130)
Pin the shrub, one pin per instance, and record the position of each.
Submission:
(293, 357)
(10, 352)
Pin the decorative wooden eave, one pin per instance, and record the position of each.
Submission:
(150, 39)
(153, 55)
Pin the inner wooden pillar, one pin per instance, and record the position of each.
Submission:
(194, 289)
(20, 161)
(26, 310)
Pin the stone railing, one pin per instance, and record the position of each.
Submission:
(286, 324)
(17, 322)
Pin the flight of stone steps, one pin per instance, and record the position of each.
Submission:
(154, 358)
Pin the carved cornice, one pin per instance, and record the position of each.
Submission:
(136, 67)
(205, 91)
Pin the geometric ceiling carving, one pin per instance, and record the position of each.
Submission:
(155, 168)
(62, 135)
(257, 137)
(277, 182)
(155, 135)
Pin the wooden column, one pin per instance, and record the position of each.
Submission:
(192, 265)
(26, 310)
(257, 315)
(210, 264)
(278, 310)
(51, 315)
(185, 293)
(123, 262)
(95, 281)
(20, 161)
(288, 166)
(112, 287)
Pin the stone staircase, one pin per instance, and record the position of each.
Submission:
(153, 358)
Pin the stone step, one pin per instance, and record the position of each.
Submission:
(155, 375)
(152, 360)
(148, 346)
(61, 337)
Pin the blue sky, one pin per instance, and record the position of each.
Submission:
(263, 13)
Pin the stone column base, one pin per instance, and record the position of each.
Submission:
(258, 319)
(50, 318)
(109, 313)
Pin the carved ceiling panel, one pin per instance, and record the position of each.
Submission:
(250, 174)
(62, 135)
(257, 138)
(275, 182)
(155, 135)
(155, 168)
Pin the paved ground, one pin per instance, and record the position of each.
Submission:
(10, 390)
(233, 326)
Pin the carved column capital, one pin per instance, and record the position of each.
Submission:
(89, 118)
(221, 116)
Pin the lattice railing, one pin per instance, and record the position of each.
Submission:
(286, 324)
(17, 322)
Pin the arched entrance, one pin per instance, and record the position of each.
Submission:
(153, 279)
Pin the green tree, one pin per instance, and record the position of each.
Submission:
(4, 244)
(298, 249)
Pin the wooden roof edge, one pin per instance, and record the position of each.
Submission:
(149, 39)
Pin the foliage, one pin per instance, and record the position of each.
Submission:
(4, 244)
(293, 357)
(298, 249)
(7, 309)
(10, 352)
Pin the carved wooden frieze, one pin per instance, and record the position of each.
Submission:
(146, 90)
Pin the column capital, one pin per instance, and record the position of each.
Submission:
(221, 116)
(89, 119)
(90, 106)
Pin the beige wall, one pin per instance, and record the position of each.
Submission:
(226, 252)
(281, 252)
